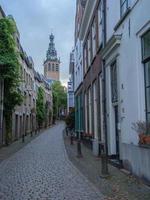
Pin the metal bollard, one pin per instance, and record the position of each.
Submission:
(71, 139)
(104, 163)
(79, 152)
(23, 138)
(31, 133)
(66, 131)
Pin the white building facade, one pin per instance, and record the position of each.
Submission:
(70, 89)
(127, 67)
(78, 71)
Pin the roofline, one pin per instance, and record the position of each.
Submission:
(2, 11)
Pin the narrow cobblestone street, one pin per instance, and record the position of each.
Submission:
(41, 170)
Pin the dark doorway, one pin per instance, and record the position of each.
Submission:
(21, 128)
(16, 127)
(116, 130)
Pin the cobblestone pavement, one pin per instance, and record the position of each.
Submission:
(7, 151)
(41, 171)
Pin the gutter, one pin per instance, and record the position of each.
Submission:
(104, 81)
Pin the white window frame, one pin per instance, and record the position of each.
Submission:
(86, 113)
(95, 110)
(100, 23)
(85, 59)
(90, 109)
(89, 50)
(94, 38)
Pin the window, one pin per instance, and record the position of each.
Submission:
(146, 61)
(123, 6)
(146, 45)
(89, 50)
(49, 67)
(57, 67)
(85, 58)
(90, 110)
(53, 67)
(94, 38)
(100, 23)
(95, 106)
(114, 86)
(86, 112)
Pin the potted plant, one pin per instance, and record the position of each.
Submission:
(143, 129)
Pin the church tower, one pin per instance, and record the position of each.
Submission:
(52, 63)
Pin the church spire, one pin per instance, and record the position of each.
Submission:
(51, 53)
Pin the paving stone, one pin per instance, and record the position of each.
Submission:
(118, 186)
(42, 170)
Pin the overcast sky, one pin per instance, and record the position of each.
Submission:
(35, 19)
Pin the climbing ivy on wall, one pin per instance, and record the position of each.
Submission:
(40, 107)
(9, 71)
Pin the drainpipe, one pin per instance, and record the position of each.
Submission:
(79, 152)
(104, 107)
(104, 155)
(104, 77)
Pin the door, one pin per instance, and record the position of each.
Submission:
(116, 131)
(16, 127)
(21, 128)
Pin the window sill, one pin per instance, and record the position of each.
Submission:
(122, 19)
(146, 146)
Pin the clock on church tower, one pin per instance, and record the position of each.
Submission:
(52, 63)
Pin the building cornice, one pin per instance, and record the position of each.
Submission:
(112, 44)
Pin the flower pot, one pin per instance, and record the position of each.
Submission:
(147, 139)
(144, 139)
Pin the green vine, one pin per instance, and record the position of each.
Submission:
(40, 107)
(59, 97)
(9, 71)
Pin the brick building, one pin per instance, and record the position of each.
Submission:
(52, 63)
(78, 68)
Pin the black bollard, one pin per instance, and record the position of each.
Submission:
(23, 138)
(104, 163)
(31, 133)
(79, 152)
(71, 139)
(66, 131)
